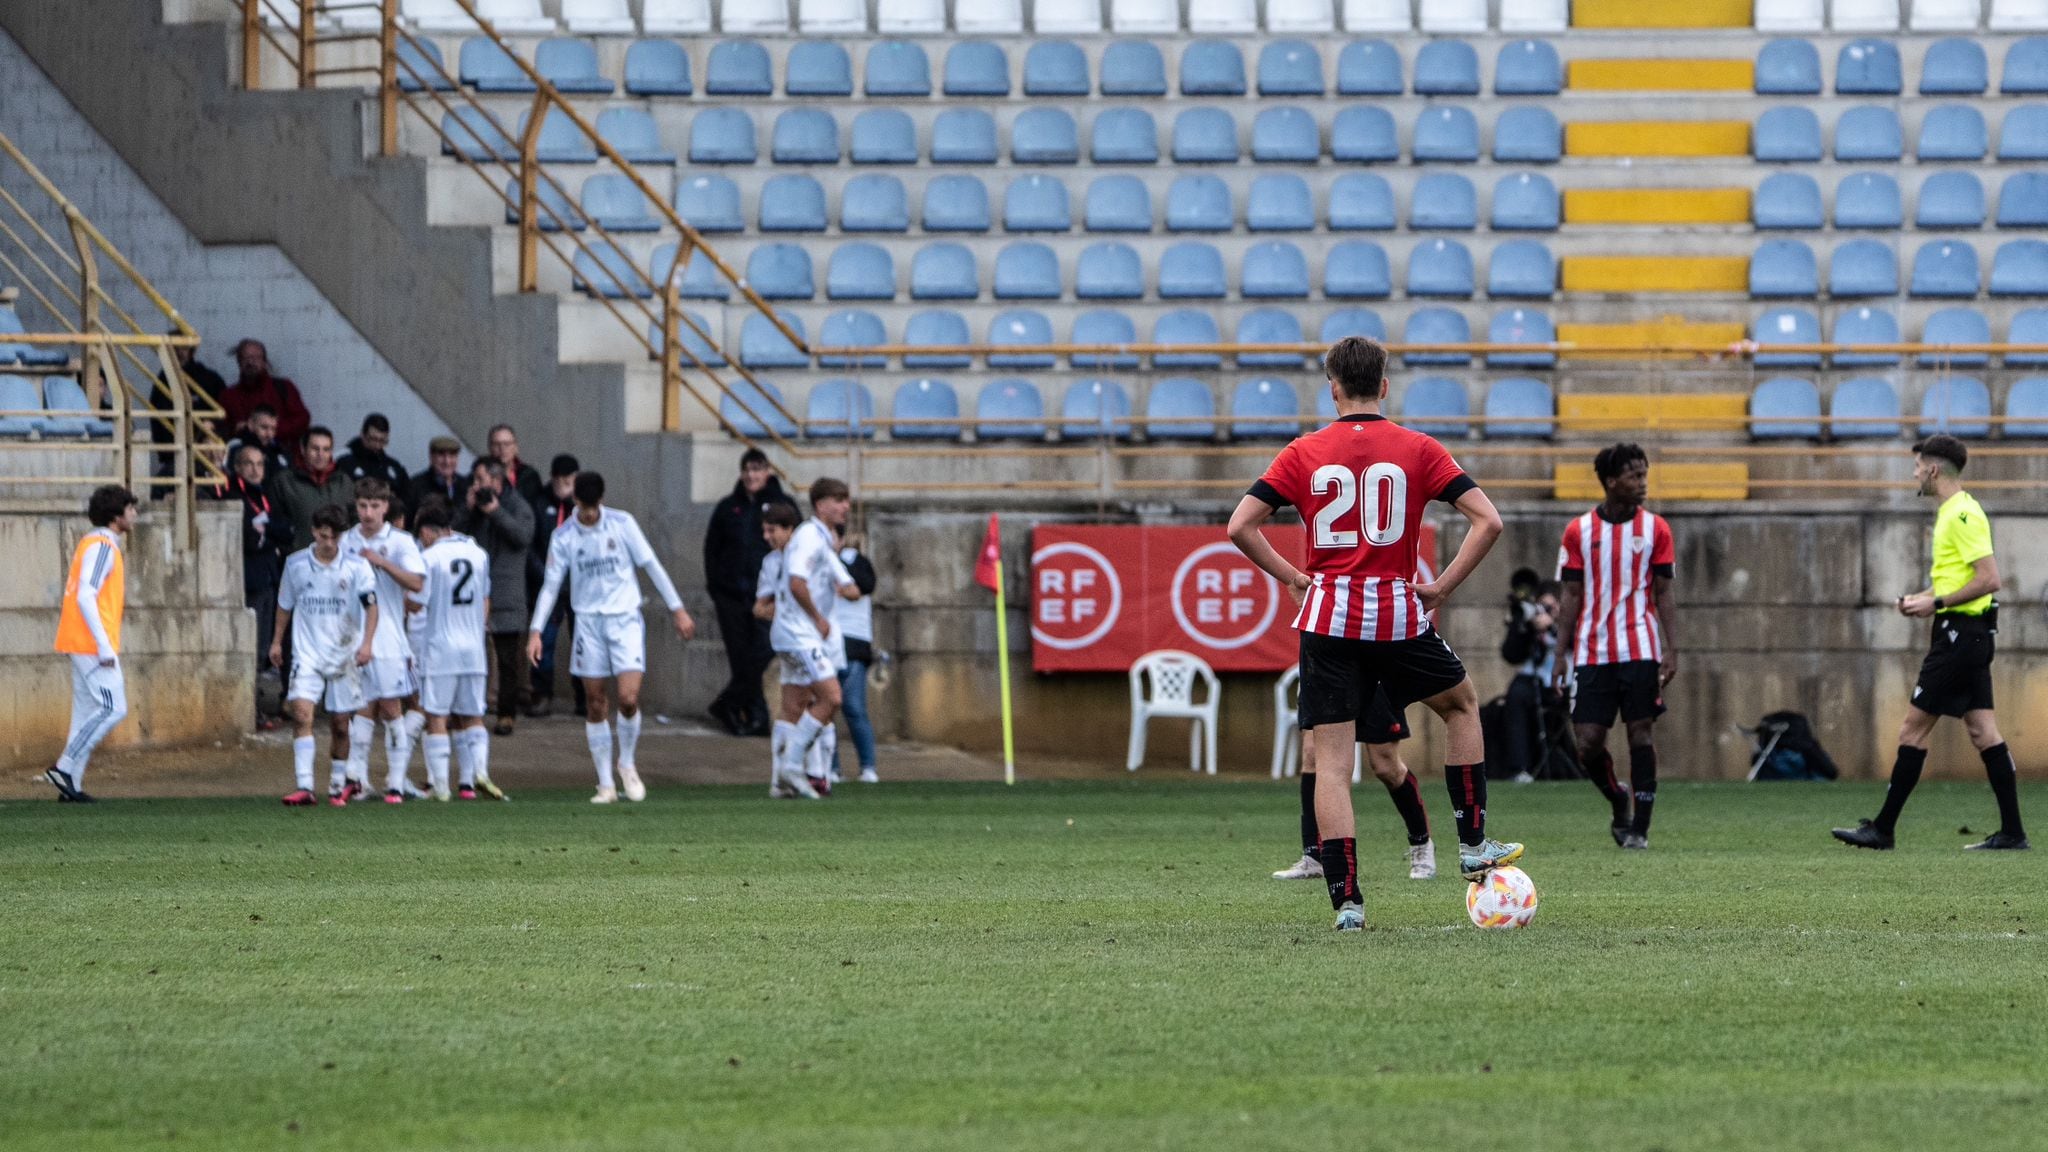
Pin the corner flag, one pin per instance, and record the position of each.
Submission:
(988, 572)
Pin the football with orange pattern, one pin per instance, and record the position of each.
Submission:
(1503, 898)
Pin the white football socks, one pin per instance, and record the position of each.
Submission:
(415, 727)
(361, 731)
(477, 761)
(302, 761)
(800, 741)
(397, 753)
(437, 745)
(337, 775)
(599, 737)
(629, 737)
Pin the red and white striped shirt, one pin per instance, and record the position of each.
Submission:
(1618, 564)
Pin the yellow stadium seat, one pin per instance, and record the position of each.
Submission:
(1678, 480)
(1623, 274)
(1656, 205)
(1690, 338)
(1651, 75)
(1656, 138)
(1660, 13)
(1644, 411)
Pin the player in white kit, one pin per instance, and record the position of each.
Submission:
(598, 550)
(806, 645)
(328, 601)
(454, 668)
(388, 679)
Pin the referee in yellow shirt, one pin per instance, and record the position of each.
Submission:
(1955, 678)
(89, 632)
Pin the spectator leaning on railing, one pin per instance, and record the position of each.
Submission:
(310, 485)
(257, 386)
(501, 522)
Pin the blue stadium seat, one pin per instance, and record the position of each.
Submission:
(1015, 327)
(792, 203)
(943, 271)
(1361, 202)
(1784, 200)
(485, 66)
(1117, 204)
(1528, 134)
(1868, 68)
(1269, 326)
(883, 136)
(1286, 135)
(1037, 203)
(1447, 68)
(1953, 132)
(781, 272)
(1198, 204)
(1357, 270)
(873, 202)
(1865, 325)
(421, 68)
(1369, 68)
(1785, 408)
(1290, 68)
(1009, 409)
(1044, 136)
(1954, 200)
(19, 393)
(1352, 322)
(656, 68)
(570, 64)
(700, 279)
(1521, 269)
(2029, 326)
(1093, 408)
(11, 325)
(1865, 408)
(1443, 201)
(976, 68)
(1055, 68)
(817, 68)
(1786, 326)
(2026, 408)
(2022, 201)
(1957, 405)
(2020, 268)
(1191, 271)
(1521, 326)
(1205, 136)
(722, 136)
(1783, 268)
(1527, 68)
(553, 211)
(956, 203)
(1446, 134)
(1868, 132)
(964, 136)
(1026, 270)
(897, 68)
(1787, 135)
(1109, 271)
(860, 272)
(631, 133)
(2026, 67)
(1525, 202)
(804, 136)
(1436, 406)
(1131, 68)
(1179, 408)
(1436, 326)
(852, 328)
(1104, 326)
(1363, 134)
(1274, 269)
(601, 269)
(738, 68)
(925, 410)
(762, 345)
(1186, 326)
(1788, 68)
(1124, 136)
(1264, 408)
(754, 408)
(1868, 200)
(1279, 202)
(1944, 268)
(1863, 268)
(839, 410)
(937, 328)
(616, 204)
(560, 140)
(1520, 407)
(1211, 68)
(2024, 134)
(1954, 67)
(1956, 326)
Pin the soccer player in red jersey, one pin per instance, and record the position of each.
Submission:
(1616, 567)
(1361, 483)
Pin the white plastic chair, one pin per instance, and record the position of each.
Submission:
(2018, 15)
(1230, 17)
(761, 16)
(1791, 15)
(1947, 15)
(1146, 15)
(990, 17)
(910, 17)
(1287, 731)
(598, 17)
(1066, 16)
(675, 17)
(1300, 16)
(1865, 15)
(815, 17)
(1534, 15)
(1451, 16)
(1378, 15)
(1163, 684)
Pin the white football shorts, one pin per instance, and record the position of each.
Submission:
(388, 679)
(608, 645)
(460, 694)
(339, 694)
(806, 666)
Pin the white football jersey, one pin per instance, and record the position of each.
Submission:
(328, 603)
(600, 562)
(458, 587)
(812, 555)
(403, 550)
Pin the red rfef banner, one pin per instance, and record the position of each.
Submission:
(1102, 596)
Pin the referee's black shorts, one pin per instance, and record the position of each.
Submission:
(1955, 676)
(1341, 678)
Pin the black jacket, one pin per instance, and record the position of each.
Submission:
(427, 484)
(361, 462)
(263, 547)
(547, 515)
(205, 379)
(733, 548)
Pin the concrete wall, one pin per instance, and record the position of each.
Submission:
(188, 645)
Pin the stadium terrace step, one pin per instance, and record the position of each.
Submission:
(1655, 273)
(1664, 331)
(1661, 14)
(1653, 75)
(1670, 480)
(1656, 205)
(1656, 138)
(1629, 411)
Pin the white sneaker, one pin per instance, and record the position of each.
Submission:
(1306, 868)
(795, 783)
(1422, 860)
(833, 776)
(870, 776)
(629, 779)
(442, 792)
(605, 796)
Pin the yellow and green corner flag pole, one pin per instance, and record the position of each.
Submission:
(988, 572)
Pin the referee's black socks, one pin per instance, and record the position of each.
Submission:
(1642, 780)
(1906, 774)
(2004, 777)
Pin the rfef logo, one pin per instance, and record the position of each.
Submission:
(1222, 599)
(1076, 596)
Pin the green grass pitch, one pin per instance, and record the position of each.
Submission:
(1056, 966)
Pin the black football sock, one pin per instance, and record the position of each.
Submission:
(1340, 871)
(1310, 841)
(1408, 802)
(1642, 780)
(1905, 774)
(2004, 777)
(1600, 771)
(1467, 783)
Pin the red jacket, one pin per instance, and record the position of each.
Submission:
(245, 394)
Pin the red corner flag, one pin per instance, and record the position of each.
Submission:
(987, 567)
